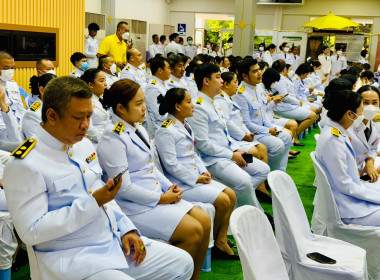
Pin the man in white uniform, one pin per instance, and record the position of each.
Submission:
(155, 48)
(190, 50)
(132, 70)
(61, 208)
(174, 46)
(91, 45)
(338, 63)
(325, 59)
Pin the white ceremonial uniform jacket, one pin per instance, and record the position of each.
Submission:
(155, 88)
(175, 146)
(363, 60)
(99, 119)
(354, 198)
(154, 49)
(143, 183)
(192, 87)
(91, 47)
(32, 120)
(174, 48)
(76, 73)
(269, 58)
(135, 74)
(191, 51)
(110, 79)
(259, 56)
(285, 86)
(174, 82)
(337, 64)
(296, 61)
(287, 57)
(14, 100)
(326, 63)
(252, 104)
(301, 88)
(210, 129)
(363, 148)
(49, 196)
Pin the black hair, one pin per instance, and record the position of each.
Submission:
(153, 36)
(337, 85)
(343, 72)
(349, 77)
(218, 59)
(174, 59)
(303, 69)
(230, 40)
(270, 76)
(89, 75)
(162, 37)
(121, 23)
(37, 82)
(283, 45)
(279, 65)
(121, 92)
(172, 97)
(180, 39)
(189, 37)
(363, 53)
(325, 47)
(288, 66)
(339, 47)
(190, 68)
(76, 57)
(157, 63)
(227, 77)
(354, 71)
(102, 61)
(315, 63)
(204, 71)
(173, 36)
(366, 66)
(340, 102)
(368, 88)
(245, 66)
(271, 46)
(367, 74)
(185, 58)
(263, 64)
(93, 27)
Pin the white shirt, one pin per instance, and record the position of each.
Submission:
(191, 51)
(174, 48)
(135, 74)
(91, 47)
(326, 63)
(155, 49)
(110, 79)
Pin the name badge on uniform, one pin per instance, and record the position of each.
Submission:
(91, 158)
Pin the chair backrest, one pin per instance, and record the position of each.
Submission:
(258, 250)
(326, 206)
(316, 137)
(292, 227)
(34, 269)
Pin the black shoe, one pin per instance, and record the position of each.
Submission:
(231, 243)
(263, 197)
(218, 254)
(267, 185)
(298, 144)
(294, 153)
(271, 221)
(291, 156)
(21, 260)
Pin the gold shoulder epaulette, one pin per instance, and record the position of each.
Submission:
(172, 81)
(128, 68)
(35, 106)
(24, 148)
(335, 132)
(154, 82)
(74, 72)
(200, 100)
(222, 94)
(118, 128)
(241, 90)
(193, 78)
(166, 123)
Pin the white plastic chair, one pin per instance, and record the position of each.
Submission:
(296, 240)
(326, 220)
(258, 250)
(34, 269)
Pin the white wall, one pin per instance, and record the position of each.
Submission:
(187, 18)
(94, 6)
(151, 11)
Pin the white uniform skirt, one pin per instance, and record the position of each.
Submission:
(161, 221)
(206, 193)
(298, 114)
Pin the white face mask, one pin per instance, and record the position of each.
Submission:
(125, 36)
(370, 112)
(113, 68)
(261, 49)
(358, 120)
(208, 46)
(290, 74)
(7, 75)
(51, 72)
(339, 52)
(286, 49)
(231, 44)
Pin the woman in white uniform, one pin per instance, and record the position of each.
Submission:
(175, 145)
(32, 118)
(285, 55)
(318, 82)
(260, 55)
(365, 135)
(270, 54)
(364, 57)
(357, 201)
(96, 80)
(146, 196)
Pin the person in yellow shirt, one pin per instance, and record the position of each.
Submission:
(114, 45)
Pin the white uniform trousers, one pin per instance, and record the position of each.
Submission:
(8, 241)
(162, 261)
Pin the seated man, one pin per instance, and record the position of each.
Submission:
(177, 67)
(132, 70)
(156, 87)
(79, 60)
(60, 206)
(108, 66)
(221, 154)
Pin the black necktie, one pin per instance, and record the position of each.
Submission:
(337, 57)
(142, 138)
(285, 55)
(326, 58)
(367, 132)
(187, 128)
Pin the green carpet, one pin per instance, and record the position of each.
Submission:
(300, 169)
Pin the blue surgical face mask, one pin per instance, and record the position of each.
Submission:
(84, 66)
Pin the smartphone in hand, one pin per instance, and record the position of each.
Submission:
(318, 257)
(248, 158)
(117, 177)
